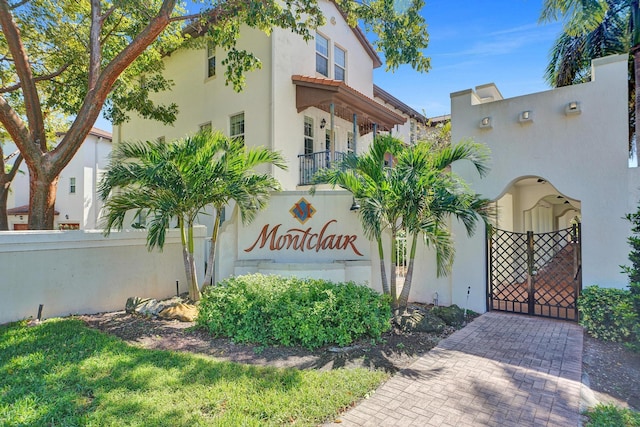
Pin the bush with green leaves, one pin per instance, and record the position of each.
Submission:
(607, 313)
(312, 313)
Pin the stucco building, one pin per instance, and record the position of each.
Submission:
(78, 206)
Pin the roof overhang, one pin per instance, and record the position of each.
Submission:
(321, 93)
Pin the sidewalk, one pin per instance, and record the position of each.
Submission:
(500, 370)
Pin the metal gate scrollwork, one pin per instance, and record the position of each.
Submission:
(535, 273)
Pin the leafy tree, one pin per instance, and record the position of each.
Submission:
(77, 57)
(415, 192)
(593, 29)
(176, 180)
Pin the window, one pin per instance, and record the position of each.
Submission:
(211, 60)
(308, 135)
(236, 126)
(206, 127)
(72, 185)
(350, 142)
(322, 55)
(340, 63)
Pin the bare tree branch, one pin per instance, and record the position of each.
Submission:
(25, 74)
(95, 51)
(35, 79)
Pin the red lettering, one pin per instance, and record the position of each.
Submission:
(298, 239)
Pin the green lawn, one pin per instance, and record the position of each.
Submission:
(61, 373)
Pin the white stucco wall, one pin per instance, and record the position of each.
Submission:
(77, 272)
(584, 156)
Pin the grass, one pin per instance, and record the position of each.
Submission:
(612, 416)
(61, 373)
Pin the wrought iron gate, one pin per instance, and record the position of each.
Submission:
(537, 274)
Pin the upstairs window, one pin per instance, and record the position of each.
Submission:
(308, 135)
(72, 185)
(322, 55)
(236, 126)
(339, 63)
(350, 142)
(205, 127)
(211, 60)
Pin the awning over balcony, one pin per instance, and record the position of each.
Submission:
(321, 93)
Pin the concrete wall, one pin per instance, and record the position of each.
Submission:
(76, 272)
(583, 154)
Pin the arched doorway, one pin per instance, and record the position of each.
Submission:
(534, 251)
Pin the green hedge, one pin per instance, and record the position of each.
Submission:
(291, 311)
(608, 313)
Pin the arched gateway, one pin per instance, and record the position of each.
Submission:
(534, 252)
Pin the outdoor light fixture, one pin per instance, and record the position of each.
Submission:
(485, 122)
(66, 217)
(572, 107)
(525, 116)
(541, 181)
(354, 206)
(323, 123)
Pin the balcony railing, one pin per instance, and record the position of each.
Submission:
(312, 163)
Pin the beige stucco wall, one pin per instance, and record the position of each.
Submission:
(75, 272)
(269, 96)
(584, 156)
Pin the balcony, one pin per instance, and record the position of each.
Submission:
(312, 163)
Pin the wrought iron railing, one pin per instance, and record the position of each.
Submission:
(312, 163)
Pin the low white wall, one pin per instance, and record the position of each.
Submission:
(78, 272)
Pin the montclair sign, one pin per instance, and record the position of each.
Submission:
(304, 240)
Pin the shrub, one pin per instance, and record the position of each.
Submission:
(610, 415)
(291, 311)
(607, 314)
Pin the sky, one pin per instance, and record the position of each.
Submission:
(472, 42)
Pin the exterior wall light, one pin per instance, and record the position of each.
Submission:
(572, 107)
(485, 123)
(526, 116)
(323, 123)
(354, 206)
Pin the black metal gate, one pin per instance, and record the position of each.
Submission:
(535, 273)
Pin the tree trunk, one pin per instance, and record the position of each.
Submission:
(636, 71)
(406, 288)
(208, 276)
(394, 289)
(383, 269)
(4, 194)
(42, 198)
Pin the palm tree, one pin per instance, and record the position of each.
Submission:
(367, 177)
(176, 181)
(416, 193)
(593, 29)
(432, 194)
(238, 181)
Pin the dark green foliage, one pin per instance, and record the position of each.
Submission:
(452, 315)
(612, 416)
(290, 311)
(633, 271)
(607, 313)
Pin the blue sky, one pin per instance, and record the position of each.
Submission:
(473, 43)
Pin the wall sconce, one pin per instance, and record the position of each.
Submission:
(66, 216)
(354, 206)
(21, 218)
(572, 107)
(323, 123)
(526, 116)
(485, 123)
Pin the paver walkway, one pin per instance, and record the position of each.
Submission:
(500, 370)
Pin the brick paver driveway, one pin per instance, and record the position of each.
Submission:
(500, 370)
